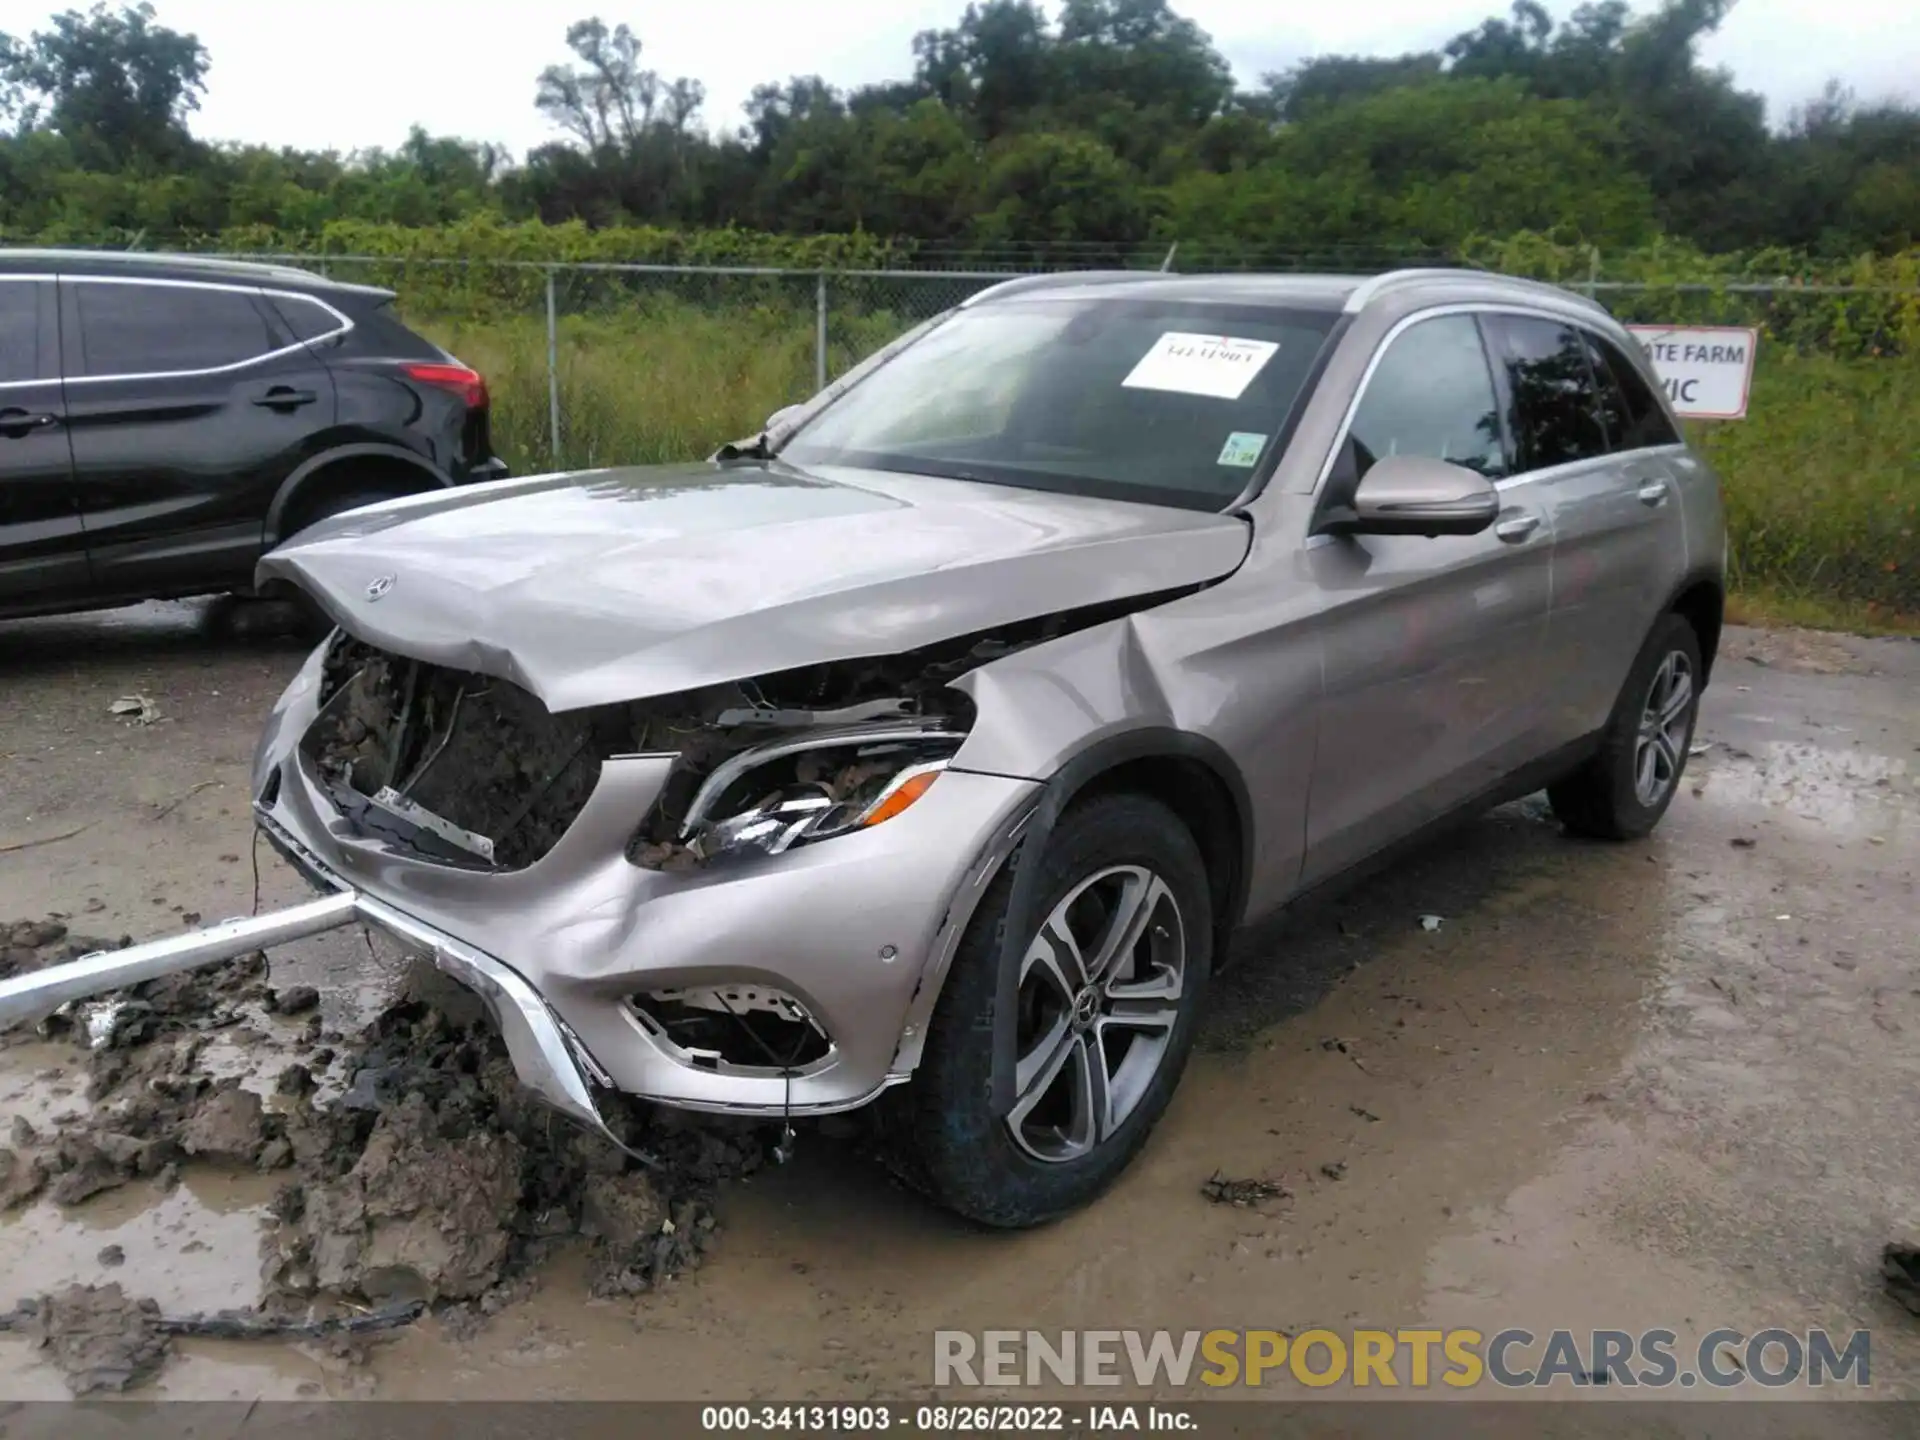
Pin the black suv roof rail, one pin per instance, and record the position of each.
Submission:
(166, 260)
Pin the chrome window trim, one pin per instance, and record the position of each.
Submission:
(344, 326)
(1473, 307)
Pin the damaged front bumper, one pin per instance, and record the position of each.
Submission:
(548, 1060)
(606, 974)
(850, 937)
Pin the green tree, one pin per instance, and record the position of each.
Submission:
(1426, 166)
(640, 153)
(1701, 142)
(994, 67)
(117, 87)
(1047, 187)
(1326, 81)
(1022, 122)
(1844, 176)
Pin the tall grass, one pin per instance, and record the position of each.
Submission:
(1822, 480)
(646, 387)
(653, 383)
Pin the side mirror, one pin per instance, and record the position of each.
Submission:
(1416, 495)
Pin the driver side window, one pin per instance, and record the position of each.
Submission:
(1432, 394)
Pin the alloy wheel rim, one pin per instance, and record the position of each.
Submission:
(1666, 725)
(1099, 996)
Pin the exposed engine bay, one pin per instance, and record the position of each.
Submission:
(471, 770)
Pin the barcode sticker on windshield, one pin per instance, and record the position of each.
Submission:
(1216, 365)
(1242, 450)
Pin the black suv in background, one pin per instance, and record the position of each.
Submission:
(166, 420)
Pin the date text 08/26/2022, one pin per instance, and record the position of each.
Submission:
(878, 1418)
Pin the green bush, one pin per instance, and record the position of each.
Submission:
(1879, 314)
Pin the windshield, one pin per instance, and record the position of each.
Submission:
(1170, 403)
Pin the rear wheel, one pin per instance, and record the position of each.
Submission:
(310, 619)
(330, 503)
(1107, 1000)
(1621, 793)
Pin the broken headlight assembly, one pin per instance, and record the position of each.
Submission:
(798, 790)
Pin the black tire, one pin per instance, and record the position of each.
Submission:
(941, 1129)
(310, 620)
(1604, 798)
(335, 502)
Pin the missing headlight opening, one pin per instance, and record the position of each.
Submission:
(471, 770)
(734, 1027)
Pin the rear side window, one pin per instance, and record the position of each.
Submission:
(1633, 415)
(380, 332)
(307, 319)
(1553, 410)
(156, 329)
(19, 330)
(1432, 394)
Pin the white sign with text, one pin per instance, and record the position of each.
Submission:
(1216, 365)
(1707, 369)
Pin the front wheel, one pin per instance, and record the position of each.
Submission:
(1107, 1000)
(1621, 793)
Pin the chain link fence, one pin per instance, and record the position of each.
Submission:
(634, 364)
(600, 364)
(593, 365)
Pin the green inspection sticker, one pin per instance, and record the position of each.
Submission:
(1242, 450)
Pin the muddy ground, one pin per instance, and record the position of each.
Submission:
(1667, 1084)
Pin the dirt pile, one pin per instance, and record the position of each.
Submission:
(96, 1336)
(419, 1173)
(28, 945)
(152, 1110)
(423, 1214)
(457, 1182)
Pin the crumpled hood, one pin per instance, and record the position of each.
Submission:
(611, 585)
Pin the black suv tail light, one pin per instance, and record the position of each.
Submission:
(470, 385)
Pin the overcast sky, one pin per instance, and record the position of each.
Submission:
(355, 73)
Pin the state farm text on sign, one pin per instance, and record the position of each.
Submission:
(1707, 369)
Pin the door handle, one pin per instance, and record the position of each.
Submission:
(1654, 492)
(16, 423)
(282, 397)
(1516, 528)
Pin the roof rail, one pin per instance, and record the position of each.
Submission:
(1020, 283)
(1370, 289)
(164, 257)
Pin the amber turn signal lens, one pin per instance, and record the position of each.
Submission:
(910, 790)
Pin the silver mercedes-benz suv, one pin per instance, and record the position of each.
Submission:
(925, 749)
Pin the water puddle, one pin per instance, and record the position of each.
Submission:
(1854, 790)
(194, 1248)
